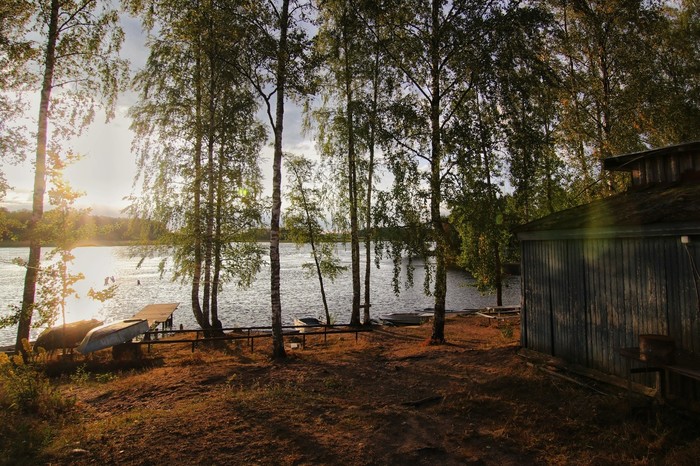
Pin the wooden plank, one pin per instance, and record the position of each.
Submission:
(550, 314)
(565, 302)
(525, 264)
(579, 303)
(592, 298)
(692, 324)
(673, 284)
(156, 313)
(631, 293)
(543, 318)
(606, 305)
(616, 308)
(536, 299)
(560, 311)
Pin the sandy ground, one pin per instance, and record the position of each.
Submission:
(387, 398)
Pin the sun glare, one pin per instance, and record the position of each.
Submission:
(98, 265)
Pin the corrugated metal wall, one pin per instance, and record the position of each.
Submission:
(585, 299)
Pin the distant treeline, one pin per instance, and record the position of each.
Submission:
(97, 229)
(101, 229)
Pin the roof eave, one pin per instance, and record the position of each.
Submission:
(636, 231)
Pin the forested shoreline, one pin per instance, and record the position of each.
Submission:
(96, 229)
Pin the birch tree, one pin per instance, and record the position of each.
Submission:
(276, 63)
(303, 223)
(198, 145)
(435, 48)
(348, 123)
(80, 71)
(607, 53)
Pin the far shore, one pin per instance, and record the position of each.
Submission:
(82, 244)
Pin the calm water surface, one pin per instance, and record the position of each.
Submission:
(237, 307)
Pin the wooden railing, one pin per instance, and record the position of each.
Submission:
(246, 333)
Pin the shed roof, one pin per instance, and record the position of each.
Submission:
(655, 210)
(625, 162)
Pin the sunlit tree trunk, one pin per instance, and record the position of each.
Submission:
(218, 240)
(34, 262)
(211, 185)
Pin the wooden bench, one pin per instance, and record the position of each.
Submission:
(684, 364)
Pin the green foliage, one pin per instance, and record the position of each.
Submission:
(80, 376)
(328, 261)
(105, 378)
(507, 331)
(95, 229)
(620, 69)
(303, 223)
(25, 390)
(198, 145)
(29, 405)
(16, 52)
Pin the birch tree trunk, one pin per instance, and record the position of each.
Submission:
(278, 351)
(34, 262)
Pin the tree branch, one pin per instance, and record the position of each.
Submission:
(73, 15)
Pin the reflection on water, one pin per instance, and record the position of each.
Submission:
(140, 286)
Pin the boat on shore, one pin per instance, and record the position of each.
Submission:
(306, 324)
(405, 318)
(115, 333)
(65, 336)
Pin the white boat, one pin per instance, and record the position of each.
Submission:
(116, 333)
(405, 318)
(305, 324)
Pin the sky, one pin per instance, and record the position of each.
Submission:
(107, 170)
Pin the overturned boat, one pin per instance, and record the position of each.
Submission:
(306, 324)
(405, 318)
(116, 333)
(65, 336)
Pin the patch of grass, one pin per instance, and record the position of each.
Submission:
(31, 410)
(80, 376)
(333, 383)
(507, 331)
(106, 377)
(25, 390)
(284, 391)
(22, 438)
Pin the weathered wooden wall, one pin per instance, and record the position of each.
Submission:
(583, 299)
(664, 168)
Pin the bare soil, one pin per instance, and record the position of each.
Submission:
(387, 398)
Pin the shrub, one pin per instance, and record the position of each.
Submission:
(26, 390)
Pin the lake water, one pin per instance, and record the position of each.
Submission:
(250, 307)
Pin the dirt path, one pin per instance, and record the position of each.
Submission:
(387, 399)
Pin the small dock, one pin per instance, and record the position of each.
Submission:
(157, 314)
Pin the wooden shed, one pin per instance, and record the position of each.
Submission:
(596, 277)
